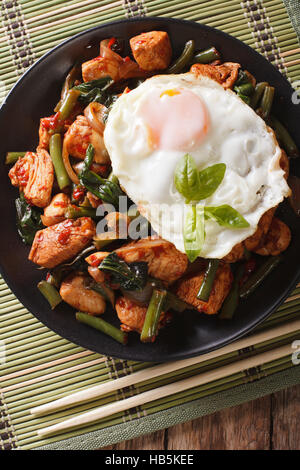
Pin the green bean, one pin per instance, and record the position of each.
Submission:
(101, 243)
(243, 78)
(113, 178)
(258, 276)
(74, 212)
(68, 104)
(244, 89)
(267, 101)
(184, 59)
(231, 302)
(284, 137)
(245, 98)
(55, 149)
(173, 302)
(50, 293)
(13, 157)
(258, 92)
(102, 325)
(155, 308)
(209, 277)
(206, 56)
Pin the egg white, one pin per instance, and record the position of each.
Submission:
(237, 136)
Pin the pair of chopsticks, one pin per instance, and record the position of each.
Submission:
(165, 390)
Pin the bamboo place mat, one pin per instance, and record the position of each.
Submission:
(39, 365)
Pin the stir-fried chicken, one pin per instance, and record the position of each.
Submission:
(165, 262)
(188, 288)
(34, 175)
(132, 316)
(277, 239)
(55, 212)
(61, 242)
(152, 50)
(78, 137)
(253, 242)
(111, 64)
(225, 74)
(73, 291)
(235, 254)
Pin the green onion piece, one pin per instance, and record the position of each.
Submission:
(155, 308)
(113, 178)
(284, 137)
(209, 277)
(184, 59)
(267, 101)
(68, 104)
(74, 212)
(206, 56)
(101, 243)
(245, 98)
(258, 92)
(102, 325)
(244, 89)
(55, 149)
(258, 276)
(231, 302)
(13, 157)
(173, 302)
(50, 293)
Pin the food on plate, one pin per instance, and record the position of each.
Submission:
(154, 187)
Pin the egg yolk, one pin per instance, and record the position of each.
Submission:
(176, 119)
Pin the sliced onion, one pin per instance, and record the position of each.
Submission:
(68, 166)
(94, 113)
(106, 51)
(141, 298)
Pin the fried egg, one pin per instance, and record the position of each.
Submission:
(149, 130)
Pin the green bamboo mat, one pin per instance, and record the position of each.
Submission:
(39, 365)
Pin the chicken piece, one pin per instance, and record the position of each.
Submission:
(108, 63)
(235, 254)
(34, 175)
(225, 74)
(188, 288)
(93, 200)
(74, 292)
(152, 50)
(100, 67)
(284, 164)
(253, 242)
(165, 262)
(78, 137)
(55, 212)
(132, 316)
(277, 239)
(44, 136)
(61, 242)
(96, 274)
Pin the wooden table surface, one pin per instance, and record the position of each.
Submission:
(271, 422)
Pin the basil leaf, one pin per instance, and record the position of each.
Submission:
(210, 178)
(186, 177)
(28, 219)
(193, 231)
(226, 216)
(130, 276)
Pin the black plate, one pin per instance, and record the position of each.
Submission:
(34, 96)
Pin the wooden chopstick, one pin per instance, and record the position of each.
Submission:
(166, 390)
(113, 385)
